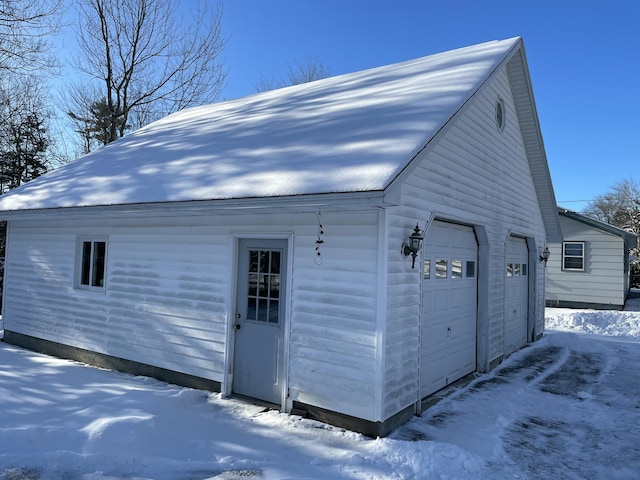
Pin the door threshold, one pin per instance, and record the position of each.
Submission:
(255, 401)
(435, 397)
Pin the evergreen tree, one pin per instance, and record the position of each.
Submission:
(95, 125)
(24, 138)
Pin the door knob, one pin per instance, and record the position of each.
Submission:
(237, 326)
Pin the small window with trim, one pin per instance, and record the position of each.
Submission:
(573, 256)
(91, 263)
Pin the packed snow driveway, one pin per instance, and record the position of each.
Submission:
(566, 407)
(562, 409)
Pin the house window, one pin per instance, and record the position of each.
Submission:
(92, 256)
(573, 256)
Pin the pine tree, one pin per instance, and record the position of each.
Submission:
(22, 150)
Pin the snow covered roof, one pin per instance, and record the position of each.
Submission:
(350, 133)
(629, 238)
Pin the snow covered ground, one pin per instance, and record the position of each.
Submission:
(566, 407)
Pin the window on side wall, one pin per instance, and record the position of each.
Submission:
(573, 256)
(91, 263)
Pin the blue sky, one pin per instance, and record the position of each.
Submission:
(584, 60)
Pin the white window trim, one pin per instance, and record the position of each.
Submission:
(78, 267)
(583, 256)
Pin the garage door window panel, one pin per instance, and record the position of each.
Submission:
(442, 266)
(456, 268)
(427, 269)
(471, 269)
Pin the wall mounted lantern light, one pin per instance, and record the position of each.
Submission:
(544, 256)
(413, 247)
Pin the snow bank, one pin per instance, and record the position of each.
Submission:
(599, 322)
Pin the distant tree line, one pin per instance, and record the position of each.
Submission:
(138, 61)
(620, 206)
(298, 73)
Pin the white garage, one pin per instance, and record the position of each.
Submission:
(516, 294)
(450, 306)
(289, 278)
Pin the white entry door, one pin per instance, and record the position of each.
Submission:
(516, 294)
(449, 306)
(259, 336)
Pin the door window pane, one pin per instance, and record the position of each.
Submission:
(275, 263)
(264, 262)
(274, 306)
(516, 270)
(509, 269)
(253, 260)
(253, 285)
(263, 290)
(263, 310)
(274, 289)
(524, 269)
(251, 308)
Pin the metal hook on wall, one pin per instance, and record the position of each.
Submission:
(319, 240)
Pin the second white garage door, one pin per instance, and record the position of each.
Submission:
(449, 308)
(516, 294)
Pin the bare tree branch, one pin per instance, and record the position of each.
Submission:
(25, 29)
(620, 207)
(308, 71)
(148, 61)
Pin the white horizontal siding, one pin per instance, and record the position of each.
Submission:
(333, 317)
(474, 175)
(602, 281)
(165, 301)
(403, 305)
(167, 297)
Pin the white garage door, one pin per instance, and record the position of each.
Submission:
(449, 308)
(516, 294)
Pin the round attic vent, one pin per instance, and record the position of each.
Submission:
(500, 114)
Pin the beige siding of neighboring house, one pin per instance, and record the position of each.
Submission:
(604, 279)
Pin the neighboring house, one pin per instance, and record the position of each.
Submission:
(256, 246)
(590, 267)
